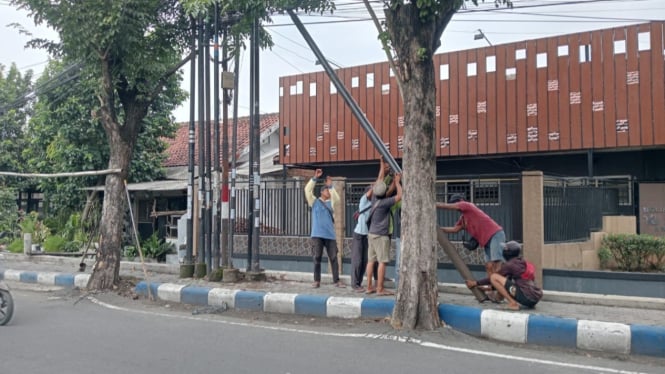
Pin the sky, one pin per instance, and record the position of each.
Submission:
(349, 38)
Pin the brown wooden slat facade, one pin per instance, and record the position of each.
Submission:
(591, 90)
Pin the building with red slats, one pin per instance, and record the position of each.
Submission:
(583, 104)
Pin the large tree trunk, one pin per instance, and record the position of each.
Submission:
(417, 296)
(121, 140)
(107, 268)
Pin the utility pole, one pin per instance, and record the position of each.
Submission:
(254, 267)
(216, 222)
(187, 269)
(199, 269)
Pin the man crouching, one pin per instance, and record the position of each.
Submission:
(515, 280)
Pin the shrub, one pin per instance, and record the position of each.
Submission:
(156, 248)
(16, 246)
(54, 243)
(633, 252)
(73, 246)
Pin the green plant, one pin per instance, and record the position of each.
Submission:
(54, 243)
(635, 252)
(605, 256)
(130, 251)
(156, 248)
(8, 214)
(73, 246)
(16, 246)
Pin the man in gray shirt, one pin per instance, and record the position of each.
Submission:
(379, 233)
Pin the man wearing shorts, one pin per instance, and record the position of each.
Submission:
(379, 233)
(480, 226)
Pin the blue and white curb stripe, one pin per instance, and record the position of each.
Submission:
(46, 278)
(493, 324)
(499, 325)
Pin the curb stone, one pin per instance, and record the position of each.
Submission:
(499, 325)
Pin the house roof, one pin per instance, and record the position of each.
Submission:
(178, 147)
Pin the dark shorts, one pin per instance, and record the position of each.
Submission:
(517, 294)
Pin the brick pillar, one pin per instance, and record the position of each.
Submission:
(533, 220)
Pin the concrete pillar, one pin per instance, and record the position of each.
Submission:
(27, 244)
(533, 221)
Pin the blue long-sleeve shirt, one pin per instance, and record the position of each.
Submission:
(322, 217)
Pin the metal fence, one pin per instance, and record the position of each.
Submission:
(284, 210)
(574, 207)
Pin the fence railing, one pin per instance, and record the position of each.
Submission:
(574, 207)
(284, 210)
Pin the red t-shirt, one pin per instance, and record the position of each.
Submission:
(477, 223)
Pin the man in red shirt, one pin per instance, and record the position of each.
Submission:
(480, 226)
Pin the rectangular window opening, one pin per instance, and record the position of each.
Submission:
(355, 82)
(585, 53)
(444, 73)
(562, 50)
(619, 47)
(511, 74)
(644, 41)
(333, 89)
(312, 89)
(520, 54)
(541, 60)
(370, 80)
(471, 69)
(490, 64)
(385, 89)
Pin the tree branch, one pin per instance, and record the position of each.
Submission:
(162, 81)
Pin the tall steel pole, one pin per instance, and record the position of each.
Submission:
(200, 253)
(216, 222)
(255, 169)
(208, 155)
(225, 156)
(189, 260)
(234, 147)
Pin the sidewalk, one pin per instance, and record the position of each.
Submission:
(607, 323)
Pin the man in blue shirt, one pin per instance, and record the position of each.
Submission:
(359, 243)
(323, 226)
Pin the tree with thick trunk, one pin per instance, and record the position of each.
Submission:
(134, 49)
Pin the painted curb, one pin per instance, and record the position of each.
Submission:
(499, 325)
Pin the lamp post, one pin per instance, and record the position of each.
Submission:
(481, 35)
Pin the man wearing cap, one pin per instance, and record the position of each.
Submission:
(379, 231)
(510, 281)
(323, 226)
(480, 226)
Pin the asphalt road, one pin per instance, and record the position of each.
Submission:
(59, 331)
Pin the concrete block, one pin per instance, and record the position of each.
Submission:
(194, 295)
(170, 292)
(344, 307)
(504, 326)
(13, 275)
(221, 296)
(81, 280)
(47, 278)
(312, 305)
(279, 303)
(603, 336)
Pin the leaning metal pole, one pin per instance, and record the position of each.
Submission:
(376, 140)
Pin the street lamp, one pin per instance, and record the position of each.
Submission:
(481, 35)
